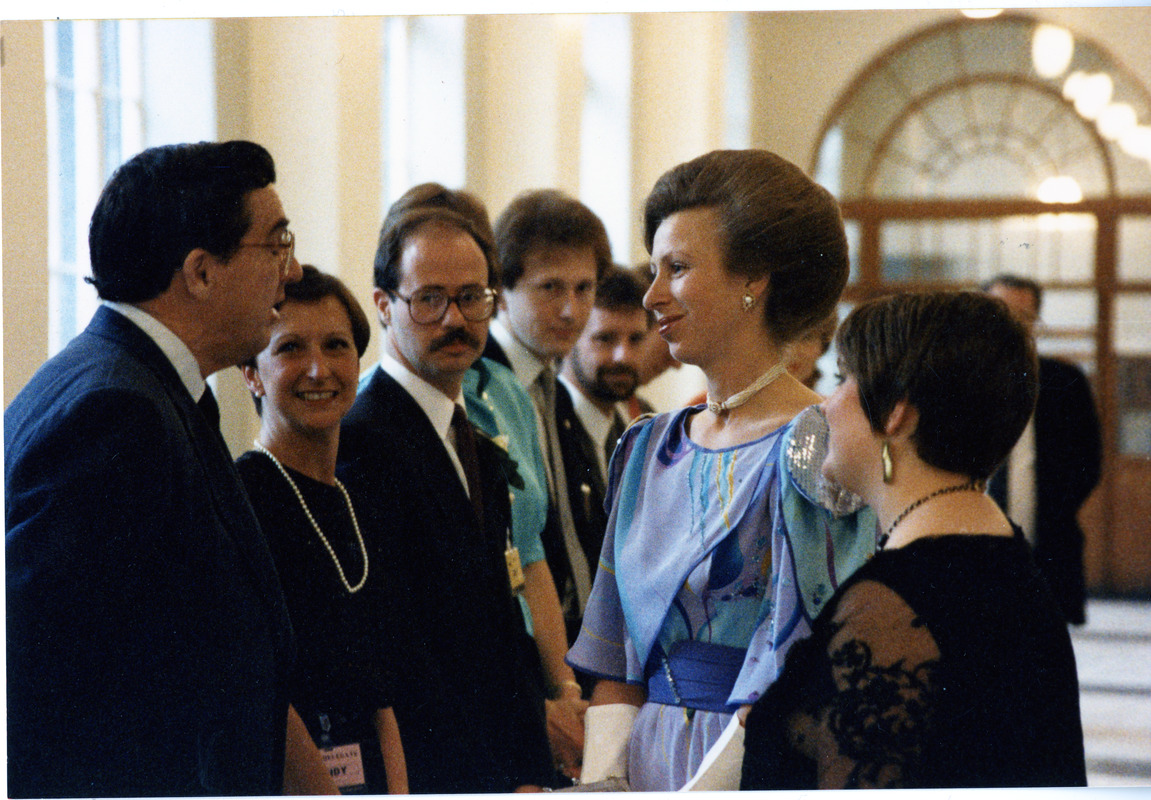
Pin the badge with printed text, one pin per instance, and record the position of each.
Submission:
(515, 569)
(345, 765)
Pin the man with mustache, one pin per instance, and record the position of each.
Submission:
(434, 499)
(601, 371)
(552, 251)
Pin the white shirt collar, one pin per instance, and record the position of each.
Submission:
(436, 405)
(524, 362)
(171, 345)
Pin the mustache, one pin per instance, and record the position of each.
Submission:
(453, 336)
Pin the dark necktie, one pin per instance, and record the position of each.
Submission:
(614, 433)
(465, 442)
(209, 408)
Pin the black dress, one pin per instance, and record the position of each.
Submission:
(344, 669)
(945, 663)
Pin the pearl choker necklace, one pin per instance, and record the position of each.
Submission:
(739, 398)
(307, 512)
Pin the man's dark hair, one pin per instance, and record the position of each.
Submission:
(960, 358)
(431, 202)
(542, 218)
(165, 202)
(620, 289)
(1016, 282)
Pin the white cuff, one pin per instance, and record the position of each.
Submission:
(722, 767)
(607, 730)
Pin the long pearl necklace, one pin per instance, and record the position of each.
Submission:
(970, 486)
(308, 513)
(739, 398)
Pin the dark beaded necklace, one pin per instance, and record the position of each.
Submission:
(970, 486)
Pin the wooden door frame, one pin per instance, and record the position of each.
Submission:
(870, 214)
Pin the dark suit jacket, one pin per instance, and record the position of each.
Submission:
(586, 489)
(1068, 456)
(148, 641)
(470, 704)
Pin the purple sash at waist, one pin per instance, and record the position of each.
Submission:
(696, 675)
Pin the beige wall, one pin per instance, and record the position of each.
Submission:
(24, 246)
(310, 93)
(309, 89)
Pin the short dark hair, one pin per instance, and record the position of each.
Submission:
(425, 203)
(960, 358)
(165, 202)
(547, 217)
(774, 221)
(620, 289)
(313, 287)
(1016, 282)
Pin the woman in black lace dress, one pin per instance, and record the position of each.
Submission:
(943, 661)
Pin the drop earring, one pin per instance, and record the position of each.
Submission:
(748, 301)
(888, 467)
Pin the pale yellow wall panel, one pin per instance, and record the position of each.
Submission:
(24, 246)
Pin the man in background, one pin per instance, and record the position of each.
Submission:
(552, 251)
(148, 640)
(1056, 463)
(599, 374)
(470, 707)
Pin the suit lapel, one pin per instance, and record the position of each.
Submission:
(404, 422)
(579, 451)
(221, 478)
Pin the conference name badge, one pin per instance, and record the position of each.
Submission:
(344, 765)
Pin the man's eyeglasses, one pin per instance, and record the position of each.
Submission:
(428, 306)
(285, 247)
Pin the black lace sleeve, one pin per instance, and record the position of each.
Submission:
(869, 727)
(855, 704)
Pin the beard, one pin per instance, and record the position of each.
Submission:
(612, 384)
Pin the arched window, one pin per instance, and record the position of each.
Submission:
(977, 147)
(1007, 107)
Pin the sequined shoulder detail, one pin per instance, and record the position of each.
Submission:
(806, 450)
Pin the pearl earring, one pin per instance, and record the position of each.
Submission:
(748, 301)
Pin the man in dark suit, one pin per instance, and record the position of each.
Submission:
(552, 251)
(1056, 463)
(148, 640)
(470, 706)
(600, 373)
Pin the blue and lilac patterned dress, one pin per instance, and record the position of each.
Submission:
(717, 547)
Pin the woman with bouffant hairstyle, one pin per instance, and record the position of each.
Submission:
(720, 547)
